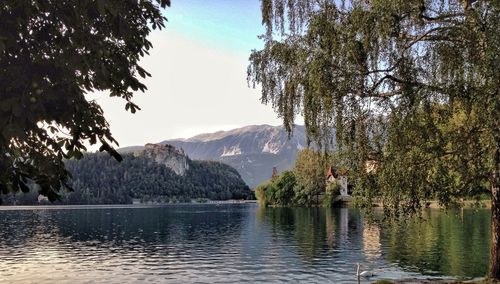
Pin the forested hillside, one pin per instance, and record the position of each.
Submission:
(103, 178)
(100, 179)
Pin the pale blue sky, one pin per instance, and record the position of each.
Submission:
(225, 24)
(198, 63)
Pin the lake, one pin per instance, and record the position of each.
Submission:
(234, 243)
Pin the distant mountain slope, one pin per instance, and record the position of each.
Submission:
(252, 150)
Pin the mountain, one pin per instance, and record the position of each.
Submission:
(252, 150)
(157, 173)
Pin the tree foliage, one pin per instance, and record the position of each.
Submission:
(279, 191)
(413, 85)
(395, 78)
(310, 171)
(100, 179)
(282, 189)
(53, 53)
(297, 187)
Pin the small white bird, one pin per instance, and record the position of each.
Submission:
(365, 274)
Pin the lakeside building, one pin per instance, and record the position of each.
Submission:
(339, 176)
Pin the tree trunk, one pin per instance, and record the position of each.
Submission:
(494, 272)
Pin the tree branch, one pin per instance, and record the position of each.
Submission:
(425, 36)
(441, 18)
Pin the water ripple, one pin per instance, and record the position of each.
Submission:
(228, 244)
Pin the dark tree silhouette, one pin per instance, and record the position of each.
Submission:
(52, 53)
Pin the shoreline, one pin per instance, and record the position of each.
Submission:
(466, 204)
(119, 206)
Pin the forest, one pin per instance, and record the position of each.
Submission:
(100, 179)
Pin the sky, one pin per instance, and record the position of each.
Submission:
(198, 85)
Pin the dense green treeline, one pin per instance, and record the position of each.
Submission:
(305, 185)
(100, 179)
(288, 190)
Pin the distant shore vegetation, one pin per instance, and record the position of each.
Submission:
(99, 179)
(305, 185)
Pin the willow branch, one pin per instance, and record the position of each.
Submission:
(383, 95)
(441, 18)
(427, 36)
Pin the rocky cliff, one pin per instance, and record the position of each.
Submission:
(168, 156)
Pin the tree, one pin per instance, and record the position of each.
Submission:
(413, 85)
(310, 173)
(52, 53)
(285, 185)
(279, 190)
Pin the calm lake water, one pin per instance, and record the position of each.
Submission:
(234, 243)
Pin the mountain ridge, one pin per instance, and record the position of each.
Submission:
(252, 150)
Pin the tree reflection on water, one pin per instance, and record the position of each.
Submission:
(454, 243)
